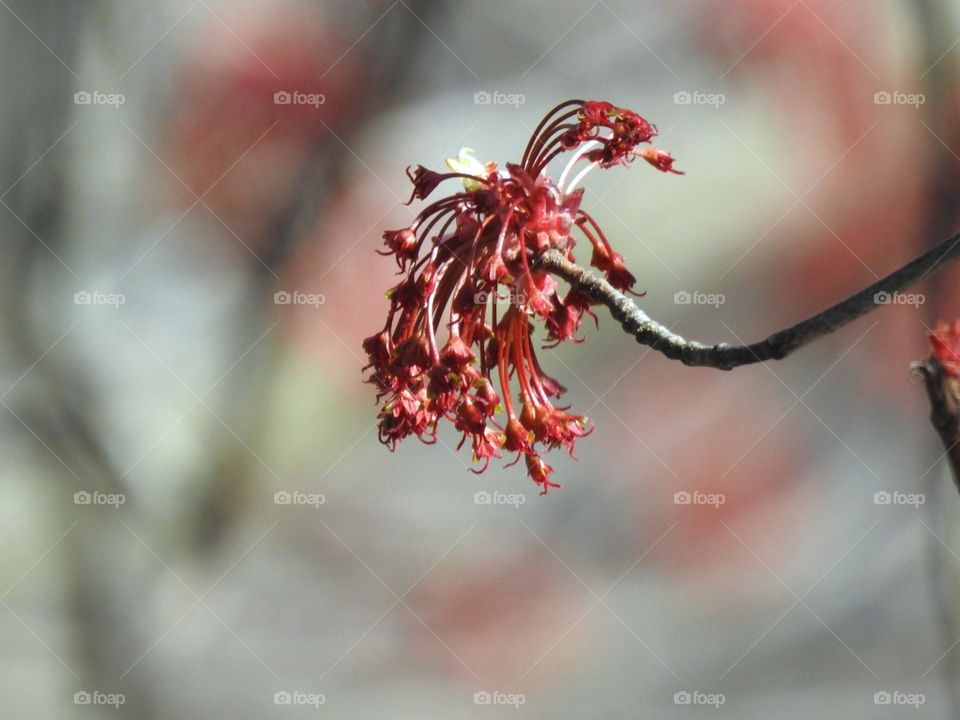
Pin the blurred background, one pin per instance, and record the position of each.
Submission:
(197, 517)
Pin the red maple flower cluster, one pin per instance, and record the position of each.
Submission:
(462, 316)
(945, 343)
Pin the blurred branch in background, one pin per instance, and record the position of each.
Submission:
(50, 403)
(323, 172)
(48, 407)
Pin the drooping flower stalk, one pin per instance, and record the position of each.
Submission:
(447, 338)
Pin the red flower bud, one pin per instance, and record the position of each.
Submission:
(540, 472)
(402, 243)
(660, 160)
(945, 343)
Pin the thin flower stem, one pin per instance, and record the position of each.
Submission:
(778, 345)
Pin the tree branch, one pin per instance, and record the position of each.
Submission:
(776, 347)
(944, 409)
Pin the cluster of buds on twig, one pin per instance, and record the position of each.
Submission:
(446, 340)
(940, 373)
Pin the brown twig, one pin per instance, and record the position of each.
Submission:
(776, 347)
(944, 394)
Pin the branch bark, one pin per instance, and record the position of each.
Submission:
(944, 409)
(778, 345)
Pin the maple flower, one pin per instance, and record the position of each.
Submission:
(945, 343)
(463, 316)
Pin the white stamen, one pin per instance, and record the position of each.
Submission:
(429, 319)
(582, 175)
(581, 151)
